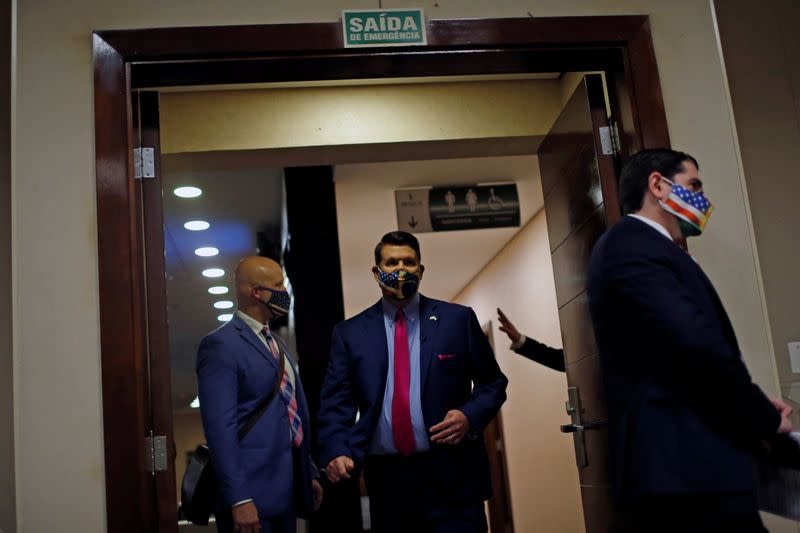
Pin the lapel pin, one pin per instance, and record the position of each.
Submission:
(434, 318)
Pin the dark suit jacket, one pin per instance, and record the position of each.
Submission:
(356, 381)
(542, 354)
(684, 414)
(235, 371)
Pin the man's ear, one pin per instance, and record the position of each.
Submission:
(656, 185)
(421, 271)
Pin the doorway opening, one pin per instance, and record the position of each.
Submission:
(131, 337)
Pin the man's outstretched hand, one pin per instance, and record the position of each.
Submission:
(507, 327)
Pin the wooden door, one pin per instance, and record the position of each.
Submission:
(580, 199)
(159, 446)
(501, 519)
(318, 306)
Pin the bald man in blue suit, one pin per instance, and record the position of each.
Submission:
(237, 367)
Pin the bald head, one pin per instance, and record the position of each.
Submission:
(253, 272)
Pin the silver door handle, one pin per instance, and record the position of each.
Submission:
(576, 428)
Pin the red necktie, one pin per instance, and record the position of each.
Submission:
(402, 429)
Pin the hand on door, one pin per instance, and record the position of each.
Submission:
(507, 327)
(245, 518)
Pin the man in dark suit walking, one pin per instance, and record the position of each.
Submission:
(407, 365)
(685, 417)
(238, 365)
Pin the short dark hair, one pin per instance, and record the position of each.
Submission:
(633, 181)
(397, 238)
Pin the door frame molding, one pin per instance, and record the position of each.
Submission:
(126, 60)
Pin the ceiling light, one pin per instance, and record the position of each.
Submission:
(195, 403)
(206, 251)
(213, 272)
(225, 318)
(224, 304)
(187, 192)
(197, 225)
(218, 290)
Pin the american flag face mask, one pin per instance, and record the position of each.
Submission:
(401, 283)
(280, 302)
(692, 209)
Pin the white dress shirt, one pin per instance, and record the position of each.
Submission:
(257, 327)
(653, 224)
(662, 230)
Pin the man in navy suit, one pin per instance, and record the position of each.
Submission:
(685, 418)
(237, 367)
(422, 376)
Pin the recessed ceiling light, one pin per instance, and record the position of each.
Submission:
(224, 304)
(187, 192)
(206, 251)
(195, 403)
(225, 318)
(218, 290)
(197, 225)
(213, 272)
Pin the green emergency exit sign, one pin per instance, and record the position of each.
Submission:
(383, 27)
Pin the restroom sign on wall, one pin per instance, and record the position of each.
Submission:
(462, 207)
(383, 27)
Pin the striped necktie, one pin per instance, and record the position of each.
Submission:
(287, 393)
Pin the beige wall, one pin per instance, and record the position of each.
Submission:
(7, 492)
(320, 116)
(761, 48)
(55, 230)
(541, 461)
(365, 210)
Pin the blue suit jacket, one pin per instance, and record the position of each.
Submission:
(235, 371)
(356, 380)
(684, 414)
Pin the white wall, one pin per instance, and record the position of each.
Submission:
(365, 210)
(545, 496)
(55, 230)
(761, 48)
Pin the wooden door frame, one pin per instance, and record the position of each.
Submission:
(125, 60)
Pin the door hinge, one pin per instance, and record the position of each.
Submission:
(155, 447)
(144, 163)
(609, 139)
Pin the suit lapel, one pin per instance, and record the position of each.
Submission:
(290, 360)
(376, 332)
(249, 335)
(428, 328)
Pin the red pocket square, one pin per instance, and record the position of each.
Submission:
(443, 356)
